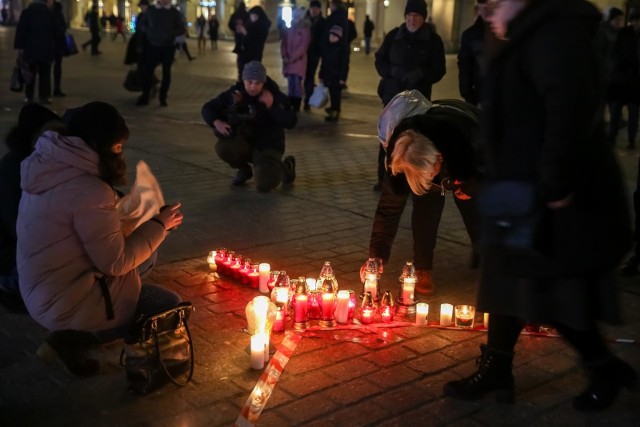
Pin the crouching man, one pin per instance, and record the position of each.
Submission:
(249, 119)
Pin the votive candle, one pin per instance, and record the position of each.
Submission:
(422, 311)
(367, 316)
(446, 314)
(211, 260)
(257, 351)
(264, 269)
(300, 309)
(342, 310)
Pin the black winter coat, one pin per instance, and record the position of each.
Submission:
(624, 85)
(36, 33)
(257, 32)
(409, 61)
(471, 58)
(335, 62)
(544, 126)
(261, 127)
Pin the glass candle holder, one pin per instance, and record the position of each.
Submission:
(226, 264)
(221, 253)
(211, 260)
(352, 303)
(254, 276)
(273, 278)
(263, 270)
(244, 271)
(278, 323)
(465, 315)
(235, 267)
(367, 310)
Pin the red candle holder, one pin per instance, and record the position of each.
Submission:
(314, 305)
(244, 271)
(273, 278)
(367, 310)
(228, 261)
(236, 266)
(254, 277)
(352, 303)
(220, 256)
(278, 324)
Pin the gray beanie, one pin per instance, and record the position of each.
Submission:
(254, 70)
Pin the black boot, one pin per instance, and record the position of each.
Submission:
(494, 374)
(71, 348)
(333, 116)
(607, 377)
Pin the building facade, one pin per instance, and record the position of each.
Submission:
(450, 17)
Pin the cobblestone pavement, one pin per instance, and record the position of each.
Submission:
(334, 378)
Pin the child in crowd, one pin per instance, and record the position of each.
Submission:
(333, 71)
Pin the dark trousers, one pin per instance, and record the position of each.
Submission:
(267, 164)
(310, 77)
(57, 73)
(42, 73)
(158, 55)
(335, 95)
(94, 41)
(425, 219)
(615, 111)
(504, 332)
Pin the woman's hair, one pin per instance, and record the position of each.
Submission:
(101, 126)
(416, 157)
(21, 138)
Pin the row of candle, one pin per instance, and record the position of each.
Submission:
(464, 315)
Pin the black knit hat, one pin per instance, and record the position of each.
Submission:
(614, 12)
(416, 6)
(315, 3)
(98, 124)
(30, 122)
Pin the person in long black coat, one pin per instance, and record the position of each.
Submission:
(61, 29)
(543, 128)
(471, 58)
(35, 42)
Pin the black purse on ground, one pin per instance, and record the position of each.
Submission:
(511, 214)
(160, 351)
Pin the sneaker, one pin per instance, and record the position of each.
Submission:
(242, 176)
(424, 285)
(289, 164)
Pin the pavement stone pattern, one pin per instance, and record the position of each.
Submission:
(334, 378)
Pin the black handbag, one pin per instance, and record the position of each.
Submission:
(132, 81)
(160, 351)
(17, 84)
(511, 213)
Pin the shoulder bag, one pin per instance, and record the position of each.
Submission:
(160, 350)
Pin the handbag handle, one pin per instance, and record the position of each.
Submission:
(191, 355)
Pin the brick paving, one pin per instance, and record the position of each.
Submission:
(334, 378)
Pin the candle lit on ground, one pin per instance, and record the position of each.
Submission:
(422, 311)
(367, 316)
(266, 339)
(465, 315)
(446, 314)
(300, 308)
(264, 269)
(386, 314)
(211, 260)
(278, 325)
(257, 351)
(486, 320)
(371, 285)
(408, 289)
(342, 310)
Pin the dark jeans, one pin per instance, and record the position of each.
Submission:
(367, 45)
(94, 41)
(41, 72)
(57, 73)
(310, 77)
(615, 111)
(267, 164)
(425, 219)
(158, 55)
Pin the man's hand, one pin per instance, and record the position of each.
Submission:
(222, 127)
(266, 98)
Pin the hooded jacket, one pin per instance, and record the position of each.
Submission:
(69, 237)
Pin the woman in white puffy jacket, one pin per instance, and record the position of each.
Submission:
(78, 272)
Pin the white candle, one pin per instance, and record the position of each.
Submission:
(371, 285)
(422, 311)
(260, 307)
(342, 310)
(486, 320)
(257, 351)
(408, 289)
(263, 270)
(211, 259)
(446, 314)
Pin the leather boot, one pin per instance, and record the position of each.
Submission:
(607, 377)
(70, 347)
(493, 375)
